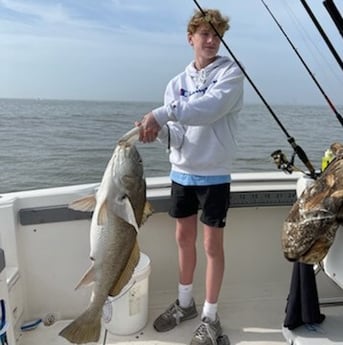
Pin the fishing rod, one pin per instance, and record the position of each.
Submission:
(323, 34)
(297, 149)
(338, 115)
(334, 14)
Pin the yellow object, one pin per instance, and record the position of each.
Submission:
(327, 158)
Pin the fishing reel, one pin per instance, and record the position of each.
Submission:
(282, 163)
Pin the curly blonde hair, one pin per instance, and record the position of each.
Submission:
(220, 22)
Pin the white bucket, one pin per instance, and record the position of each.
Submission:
(127, 313)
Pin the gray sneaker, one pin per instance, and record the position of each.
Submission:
(174, 315)
(207, 333)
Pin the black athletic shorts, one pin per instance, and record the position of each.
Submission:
(213, 200)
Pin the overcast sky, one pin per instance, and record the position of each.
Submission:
(129, 49)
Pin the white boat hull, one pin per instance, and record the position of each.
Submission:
(46, 257)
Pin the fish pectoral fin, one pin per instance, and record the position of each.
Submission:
(124, 210)
(88, 278)
(85, 204)
(147, 212)
(127, 272)
(102, 215)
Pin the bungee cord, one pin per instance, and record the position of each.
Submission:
(297, 149)
(333, 108)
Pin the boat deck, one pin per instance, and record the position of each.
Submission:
(247, 322)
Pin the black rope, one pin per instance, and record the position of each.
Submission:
(297, 149)
(333, 108)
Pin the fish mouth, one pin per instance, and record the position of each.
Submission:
(130, 137)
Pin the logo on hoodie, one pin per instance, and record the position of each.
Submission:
(186, 93)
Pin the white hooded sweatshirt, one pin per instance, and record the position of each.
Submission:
(201, 109)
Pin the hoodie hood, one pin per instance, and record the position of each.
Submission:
(200, 76)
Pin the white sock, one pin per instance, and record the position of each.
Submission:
(185, 295)
(210, 310)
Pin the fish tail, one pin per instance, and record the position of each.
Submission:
(85, 329)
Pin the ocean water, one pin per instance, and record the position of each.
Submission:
(51, 143)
